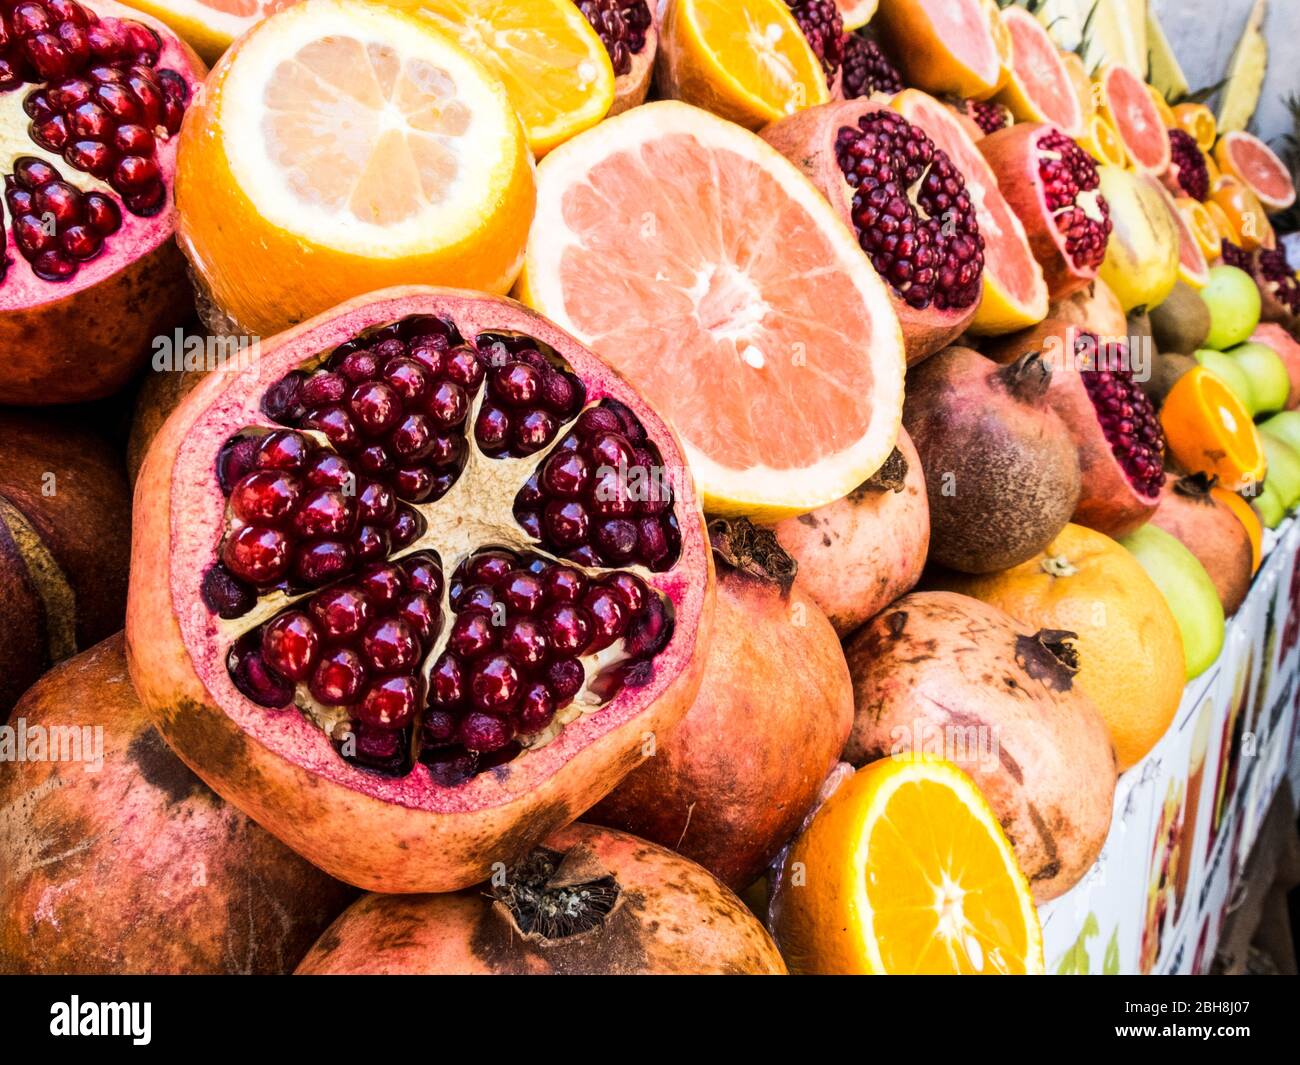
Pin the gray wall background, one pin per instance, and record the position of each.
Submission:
(1204, 34)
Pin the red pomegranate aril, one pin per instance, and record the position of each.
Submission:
(291, 644)
(563, 584)
(447, 681)
(338, 678)
(375, 503)
(89, 121)
(447, 404)
(149, 95)
(283, 450)
(266, 497)
(327, 470)
(406, 528)
(609, 450)
(408, 378)
(423, 575)
(617, 539)
(134, 172)
(630, 587)
(568, 628)
(488, 567)
(534, 431)
(319, 561)
(340, 613)
(322, 388)
(81, 242)
(609, 617)
(564, 678)
(480, 598)
(372, 543)
(596, 420)
(390, 645)
(148, 201)
(446, 449)
(483, 732)
(375, 406)
(28, 19)
(525, 642)
(381, 750)
(413, 438)
(61, 201)
(324, 512)
(382, 583)
(517, 385)
(374, 459)
(53, 266)
(530, 522)
(609, 493)
(471, 635)
(256, 554)
(421, 614)
(414, 483)
(31, 235)
(492, 428)
(31, 172)
(566, 522)
(438, 726)
(522, 592)
(536, 708)
(430, 354)
(464, 367)
(51, 133)
(494, 684)
(260, 683)
(336, 425)
(225, 595)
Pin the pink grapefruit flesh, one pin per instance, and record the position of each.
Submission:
(1039, 88)
(1128, 107)
(701, 264)
(1257, 165)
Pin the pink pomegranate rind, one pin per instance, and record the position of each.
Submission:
(1051, 185)
(85, 337)
(395, 834)
(819, 141)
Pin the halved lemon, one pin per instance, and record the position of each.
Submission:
(1102, 142)
(208, 26)
(906, 870)
(699, 263)
(342, 147)
(545, 52)
(746, 60)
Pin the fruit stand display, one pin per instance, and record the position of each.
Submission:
(696, 486)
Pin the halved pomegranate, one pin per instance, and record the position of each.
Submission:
(91, 97)
(627, 29)
(1278, 287)
(1052, 185)
(823, 26)
(412, 591)
(906, 202)
(1114, 424)
(866, 68)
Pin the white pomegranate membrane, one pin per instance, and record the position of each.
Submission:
(381, 604)
(98, 101)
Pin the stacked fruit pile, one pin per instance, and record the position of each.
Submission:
(866, 460)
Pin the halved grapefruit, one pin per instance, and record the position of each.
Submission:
(1126, 105)
(1039, 87)
(698, 262)
(209, 26)
(1193, 267)
(1256, 165)
(944, 46)
(1015, 294)
(856, 13)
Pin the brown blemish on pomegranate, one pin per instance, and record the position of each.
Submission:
(1049, 656)
(164, 771)
(1053, 864)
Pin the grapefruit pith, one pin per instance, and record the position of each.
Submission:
(698, 262)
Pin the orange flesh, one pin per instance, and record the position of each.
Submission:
(1209, 431)
(951, 876)
(718, 290)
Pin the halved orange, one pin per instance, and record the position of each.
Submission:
(697, 261)
(906, 870)
(1102, 142)
(1199, 121)
(208, 26)
(746, 60)
(1248, 217)
(545, 52)
(1210, 431)
(342, 147)
(1163, 109)
(1202, 226)
(1227, 231)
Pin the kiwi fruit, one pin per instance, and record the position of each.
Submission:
(1166, 370)
(1182, 323)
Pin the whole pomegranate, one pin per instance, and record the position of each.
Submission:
(907, 203)
(1193, 511)
(1001, 471)
(130, 864)
(939, 672)
(732, 781)
(589, 901)
(628, 31)
(1113, 423)
(89, 272)
(411, 589)
(860, 553)
(64, 503)
(1053, 187)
